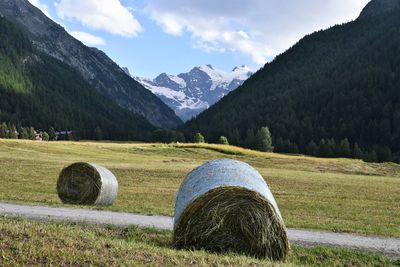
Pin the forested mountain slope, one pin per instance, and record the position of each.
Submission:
(340, 83)
(40, 91)
(103, 74)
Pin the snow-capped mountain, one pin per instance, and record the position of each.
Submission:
(188, 94)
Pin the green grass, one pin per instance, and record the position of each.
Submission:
(331, 194)
(55, 244)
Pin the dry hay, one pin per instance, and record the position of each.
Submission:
(231, 219)
(87, 184)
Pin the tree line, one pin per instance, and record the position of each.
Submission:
(262, 140)
(325, 148)
(329, 148)
(10, 131)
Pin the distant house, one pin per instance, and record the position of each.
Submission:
(39, 136)
(65, 135)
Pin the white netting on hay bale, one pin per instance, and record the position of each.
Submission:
(87, 184)
(226, 205)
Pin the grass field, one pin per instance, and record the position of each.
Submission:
(331, 194)
(37, 244)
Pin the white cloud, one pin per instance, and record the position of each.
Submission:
(107, 15)
(87, 38)
(171, 24)
(208, 48)
(260, 29)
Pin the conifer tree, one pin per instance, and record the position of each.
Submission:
(46, 136)
(344, 149)
(52, 134)
(31, 133)
(235, 137)
(312, 148)
(357, 152)
(278, 145)
(12, 133)
(199, 138)
(24, 133)
(3, 130)
(223, 140)
(98, 133)
(250, 140)
(322, 148)
(371, 156)
(333, 148)
(264, 140)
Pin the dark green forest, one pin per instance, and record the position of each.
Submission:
(335, 93)
(41, 92)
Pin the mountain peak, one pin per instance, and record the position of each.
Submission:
(192, 92)
(241, 67)
(379, 7)
(205, 68)
(162, 76)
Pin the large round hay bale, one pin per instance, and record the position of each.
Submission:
(226, 206)
(87, 184)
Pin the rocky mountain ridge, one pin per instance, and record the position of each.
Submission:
(188, 94)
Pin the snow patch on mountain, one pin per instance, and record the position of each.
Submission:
(165, 91)
(188, 94)
(181, 82)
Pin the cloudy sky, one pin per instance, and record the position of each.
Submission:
(154, 36)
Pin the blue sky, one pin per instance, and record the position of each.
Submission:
(173, 36)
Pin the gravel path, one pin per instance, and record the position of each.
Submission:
(387, 246)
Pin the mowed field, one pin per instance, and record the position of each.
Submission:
(25, 243)
(331, 194)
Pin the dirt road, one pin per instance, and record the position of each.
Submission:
(387, 246)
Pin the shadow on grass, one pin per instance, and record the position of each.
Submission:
(149, 236)
(318, 256)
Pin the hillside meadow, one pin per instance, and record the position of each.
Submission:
(340, 195)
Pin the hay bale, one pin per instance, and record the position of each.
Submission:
(226, 206)
(87, 184)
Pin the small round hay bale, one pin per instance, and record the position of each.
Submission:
(226, 206)
(87, 184)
